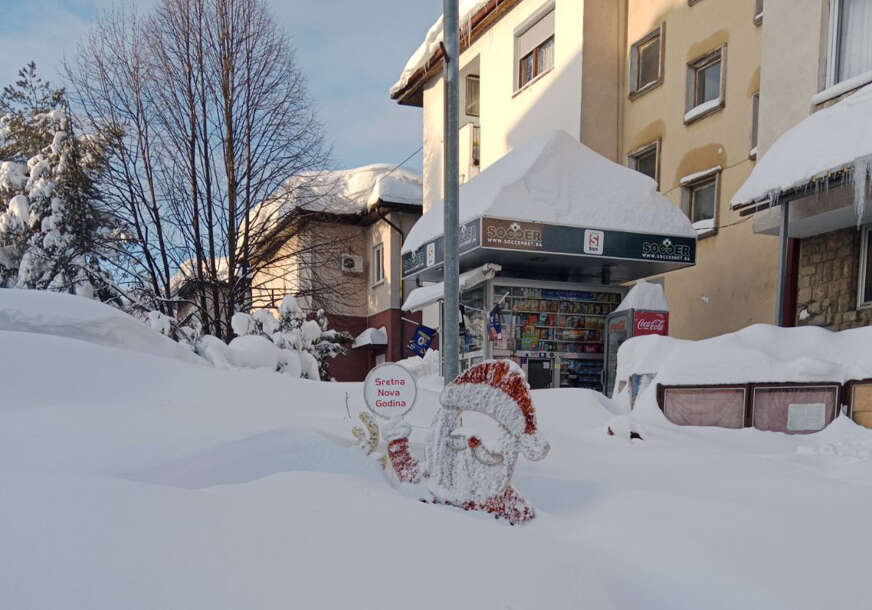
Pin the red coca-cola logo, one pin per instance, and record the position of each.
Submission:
(651, 323)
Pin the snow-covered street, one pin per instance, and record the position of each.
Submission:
(143, 479)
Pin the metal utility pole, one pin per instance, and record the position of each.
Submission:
(782, 263)
(451, 311)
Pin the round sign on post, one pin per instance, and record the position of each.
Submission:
(390, 391)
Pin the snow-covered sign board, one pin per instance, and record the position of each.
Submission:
(390, 391)
(806, 417)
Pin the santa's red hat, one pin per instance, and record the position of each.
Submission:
(498, 389)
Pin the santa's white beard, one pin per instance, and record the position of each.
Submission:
(461, 477)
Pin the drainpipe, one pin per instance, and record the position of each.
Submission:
(782, 263)
(384, 217)
(449, 336)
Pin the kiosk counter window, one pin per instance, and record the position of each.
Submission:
(556, 332)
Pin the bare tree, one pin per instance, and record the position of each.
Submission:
(208, 117)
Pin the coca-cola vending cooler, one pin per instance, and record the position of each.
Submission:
(620, 326)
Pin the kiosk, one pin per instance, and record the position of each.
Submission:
(550, 235)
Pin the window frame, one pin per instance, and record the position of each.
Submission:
(833, 44)
(467, 96)
(378, 264)
(635, 88)
(634, 155)
(689, 186)
(865, 235)
(537, 71)
(527, 25)
(755, 125)
(718, 55)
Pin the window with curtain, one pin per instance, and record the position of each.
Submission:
(534, 50)
(472, 89)
(853, 48)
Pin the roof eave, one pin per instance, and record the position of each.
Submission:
(412, 94)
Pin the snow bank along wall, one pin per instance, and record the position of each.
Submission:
(794, 380)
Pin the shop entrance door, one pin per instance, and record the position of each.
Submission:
(540, 374)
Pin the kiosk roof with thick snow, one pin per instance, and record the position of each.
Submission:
(555, 196)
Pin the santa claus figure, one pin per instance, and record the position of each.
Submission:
(461, 469)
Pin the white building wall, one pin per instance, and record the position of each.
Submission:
(509, 117)
(793, 64)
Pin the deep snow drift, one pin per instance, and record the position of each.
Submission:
(135, 480)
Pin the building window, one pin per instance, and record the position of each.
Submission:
(646, 62)
(646, 160)
(864, 296)
(850, 43)
(472, 95)
(758, 12)
(699, 200)
(534, 50)
(705, 85)
(476, 145)
(755, 123)
(378, 264)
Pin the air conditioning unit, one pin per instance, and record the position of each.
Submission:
(351, 263)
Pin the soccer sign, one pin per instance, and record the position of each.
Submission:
(421, 340)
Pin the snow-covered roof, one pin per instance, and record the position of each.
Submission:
(342, 192)
(465, 10)
(371, 336)
(645, 296)
(421, 297)
(553, 178)
(353, 191)
(829, 140)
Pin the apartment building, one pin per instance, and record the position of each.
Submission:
(815, 142)
(669, 88)
(690, 99)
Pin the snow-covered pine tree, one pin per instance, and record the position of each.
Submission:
(54, 231)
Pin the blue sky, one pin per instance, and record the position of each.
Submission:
(350, 50)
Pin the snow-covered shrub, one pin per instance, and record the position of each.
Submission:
(242, 324)
(312, 340)
(188, 334)
(254, 352)
(215, 351)
(290, 363)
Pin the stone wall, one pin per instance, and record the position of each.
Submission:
(827, 282)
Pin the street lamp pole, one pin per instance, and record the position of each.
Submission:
(451, 311)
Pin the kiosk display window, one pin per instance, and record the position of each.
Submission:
(560, 331)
